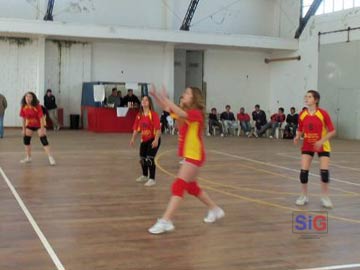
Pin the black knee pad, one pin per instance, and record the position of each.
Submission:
(44, 141)
(325, 176)
(150, 161)
(304, 176)
(27, 140)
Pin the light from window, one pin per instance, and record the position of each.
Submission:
(328, 6)
(348, 4)
(338, 5)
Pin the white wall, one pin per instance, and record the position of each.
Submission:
(290, 80)
(139, 13)
(19, 73)
(237, 78)
(30, 9)
(63, 66)
(67, 66)
(339, 85)
(287, 15)
(133, 62)
(179, 73)
(255, 17)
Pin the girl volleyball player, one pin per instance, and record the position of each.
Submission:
(33, 121)
(191, 148)
(316, 126)
(148, 123)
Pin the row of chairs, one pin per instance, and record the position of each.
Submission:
(238, 131)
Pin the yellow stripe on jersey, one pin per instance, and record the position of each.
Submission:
(303, 115)
(326, 145)
(192, 144)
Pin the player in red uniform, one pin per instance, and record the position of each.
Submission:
(147, 122)
(33, 120)
(191, 148)
(316, 126)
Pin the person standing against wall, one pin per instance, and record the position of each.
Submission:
(3, 106)
(50, 105)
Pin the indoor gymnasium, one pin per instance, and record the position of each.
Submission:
(179, 134)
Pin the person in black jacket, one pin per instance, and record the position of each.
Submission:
(259, 116)
(228, 119)
(51, 107)
(130, 97)
(292, 122)
(214, 122)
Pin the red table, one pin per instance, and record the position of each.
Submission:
(105, 120)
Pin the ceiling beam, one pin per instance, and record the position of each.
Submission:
(303, 21)
(49, 11)
(185, 26)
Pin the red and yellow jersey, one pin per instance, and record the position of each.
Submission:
(315, 127)
(32, 115)
(148, 125)
(191, 143)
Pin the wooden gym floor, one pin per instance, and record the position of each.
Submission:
(91, 214)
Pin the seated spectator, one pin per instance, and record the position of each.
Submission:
(259, 116)
(275, 122)
(214, 122)
(292, 123)
(130, 98)
(113, 98)
(228, 119)
(244, 119)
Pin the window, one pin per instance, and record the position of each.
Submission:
(328, 6)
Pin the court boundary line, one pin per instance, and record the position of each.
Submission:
(334, 267)
(245, 198)
(278, 166)
(33, 223)
(289, 178)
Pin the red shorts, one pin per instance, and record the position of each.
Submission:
(197, 163)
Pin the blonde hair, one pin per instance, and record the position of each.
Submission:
(198, 101)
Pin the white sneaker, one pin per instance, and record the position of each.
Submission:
(208, 134)
(25, 160)
(150, 183)
(326, 202)
(302, 200)
(181, 161)
(52, 161)
(271, 137)
(255, 134)
(141, 179)
(214, 215)
(161, 226)
(222, 134)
